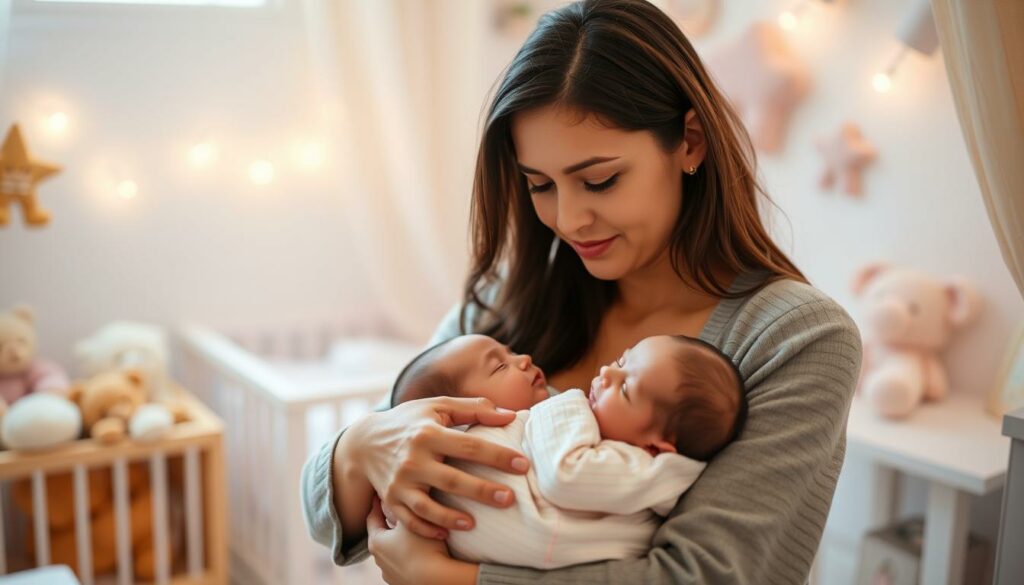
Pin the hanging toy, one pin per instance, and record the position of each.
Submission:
(19, 175)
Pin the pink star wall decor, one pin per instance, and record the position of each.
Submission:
(846, 154)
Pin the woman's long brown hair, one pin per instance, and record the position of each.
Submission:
(627, 64)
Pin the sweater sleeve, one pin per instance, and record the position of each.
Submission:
(756, 514)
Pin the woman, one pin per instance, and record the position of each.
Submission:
(615, 198)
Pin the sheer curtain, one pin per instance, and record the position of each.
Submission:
(5, 21)
(400, 85)
(983, 49)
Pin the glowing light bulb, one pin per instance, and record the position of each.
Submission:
(310, 155)
(788, 21)
(261, 172)
(127, 189)
(57, 123)
(202, 155)
(881, 82)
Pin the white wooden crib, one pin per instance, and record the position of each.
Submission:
(281, 394)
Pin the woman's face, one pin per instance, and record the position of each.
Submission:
(612, 195)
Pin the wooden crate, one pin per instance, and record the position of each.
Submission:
(199, 445)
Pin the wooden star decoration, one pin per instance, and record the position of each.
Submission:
(846, 154)
(765, 81)
(19, 175)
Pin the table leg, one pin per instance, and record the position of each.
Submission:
(945, 535)
(885, 496)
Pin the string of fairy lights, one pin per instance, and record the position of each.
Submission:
(308, 155)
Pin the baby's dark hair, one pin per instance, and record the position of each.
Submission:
(712, 405)
(420, 378)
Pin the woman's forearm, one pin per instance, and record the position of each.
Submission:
(353, 493)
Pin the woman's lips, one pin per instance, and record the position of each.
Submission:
(592, 248)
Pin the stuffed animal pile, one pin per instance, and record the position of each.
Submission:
(124, 394)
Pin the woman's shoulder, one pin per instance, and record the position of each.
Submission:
(783, 314)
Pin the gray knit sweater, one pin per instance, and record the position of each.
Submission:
(757, 512)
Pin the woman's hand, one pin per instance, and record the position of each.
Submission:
(405, 557)
(401, 453)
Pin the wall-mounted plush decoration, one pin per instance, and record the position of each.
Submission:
(846, 154)
(19, 174)
(765, 81)
(695, 17)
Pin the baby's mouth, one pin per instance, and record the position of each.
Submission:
(539, 381)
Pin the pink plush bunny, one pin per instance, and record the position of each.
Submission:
(909, 318)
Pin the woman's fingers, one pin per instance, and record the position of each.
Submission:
(459, 445)
(426, 508)
(375, 521)
(417, 524)
(466, 411)
(459, 483)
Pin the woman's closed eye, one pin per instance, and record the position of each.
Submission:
(593, 188)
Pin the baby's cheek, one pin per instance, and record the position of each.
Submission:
(540, 395)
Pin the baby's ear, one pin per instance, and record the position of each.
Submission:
(660, 446)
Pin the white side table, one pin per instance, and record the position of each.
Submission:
(957, 448)
(1009, 560)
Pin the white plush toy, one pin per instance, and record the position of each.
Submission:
(126, 344)
(40, 421)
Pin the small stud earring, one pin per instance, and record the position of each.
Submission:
(692, 170)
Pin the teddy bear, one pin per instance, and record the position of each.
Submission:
(21, 371)
(127, 344)
(34, 414)
(114, 405)
(909, 318)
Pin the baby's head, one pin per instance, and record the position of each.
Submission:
(472, 366)
(670, 394)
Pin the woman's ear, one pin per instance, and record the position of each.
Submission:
(693, 148)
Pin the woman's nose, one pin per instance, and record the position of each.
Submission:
(573, 213)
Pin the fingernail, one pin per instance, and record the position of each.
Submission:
(462, 524)
(520, 464)
(502, 496)
(505, 411)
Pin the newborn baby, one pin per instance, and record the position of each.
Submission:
(605, 463)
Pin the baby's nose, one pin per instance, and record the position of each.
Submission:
(525, 361)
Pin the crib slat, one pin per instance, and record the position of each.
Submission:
(193, 514)
(158, 473)
(42, 524)
(82, 526)
(122, 526)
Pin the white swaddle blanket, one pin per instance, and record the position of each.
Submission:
(584, 499)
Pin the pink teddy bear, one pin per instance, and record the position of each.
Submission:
(21, 372)
(909, 318)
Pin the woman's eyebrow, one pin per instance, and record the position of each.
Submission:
(571, 168)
